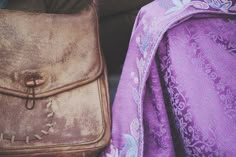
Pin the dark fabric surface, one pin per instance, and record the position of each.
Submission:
(49, 6)
(66, 6)
(27, 5)
(3, 3)
(111, 7)
(105, 7)
(115, 34)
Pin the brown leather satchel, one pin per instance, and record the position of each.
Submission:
(53, 85)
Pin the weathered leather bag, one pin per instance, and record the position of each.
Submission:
(53, 87)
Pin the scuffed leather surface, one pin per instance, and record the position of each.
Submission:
(77, 123)
(116, 22)
(76, 118)
(63, 49)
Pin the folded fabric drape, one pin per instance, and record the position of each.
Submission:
(177, 93)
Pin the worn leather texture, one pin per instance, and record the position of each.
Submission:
(116, 22)
(52, 63)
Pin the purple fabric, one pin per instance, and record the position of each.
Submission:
(177, 93)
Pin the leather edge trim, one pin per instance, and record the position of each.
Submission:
(105, 107)
(102, 136)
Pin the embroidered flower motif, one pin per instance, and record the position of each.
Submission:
(136, 96)
(143, 41)
(165, 4)
(223, 5)
(143, 44)
(200, 5)
(134, 129)
(131, 147)
(140, 64)
(182, 4)
(134, 77)
(113, 152)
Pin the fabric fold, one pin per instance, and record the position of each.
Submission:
(176, 95)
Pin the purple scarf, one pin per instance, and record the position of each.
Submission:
(177, 93)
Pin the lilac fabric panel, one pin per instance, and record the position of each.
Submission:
(177, 93)
(199, 71)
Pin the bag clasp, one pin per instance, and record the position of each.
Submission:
(32, 83)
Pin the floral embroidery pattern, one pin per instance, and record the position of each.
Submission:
(193, 147)
(159, 133)
(228, 99)
(228, 45)
(131, 147)
(182, 4)
(113, 152)
(179, 5)
(146, 42)
(200, 145)
(196, 145)
(223, 5)
(143, 43)
(134, 129)
(165, 4)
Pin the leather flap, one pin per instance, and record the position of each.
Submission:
(61, 51)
